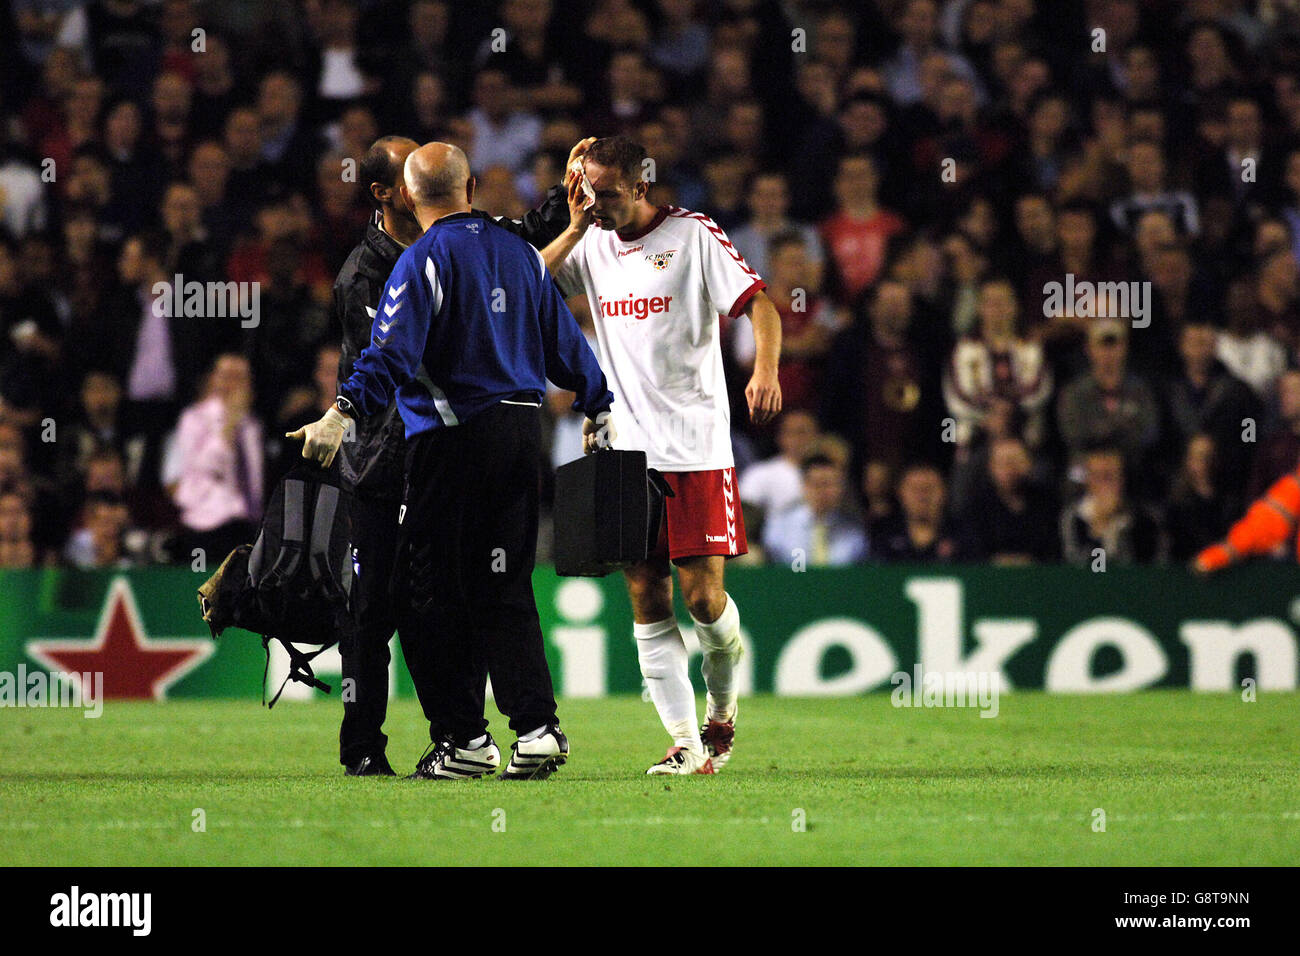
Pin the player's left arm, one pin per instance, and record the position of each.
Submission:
(763, 393)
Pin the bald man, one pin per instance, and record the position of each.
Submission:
(372, 460)
(466, 333)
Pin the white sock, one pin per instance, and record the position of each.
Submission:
(662, 655)
(533, 734)
(477, 742)
(721, 649)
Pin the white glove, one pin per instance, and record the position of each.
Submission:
(322, 438)
(598, 434)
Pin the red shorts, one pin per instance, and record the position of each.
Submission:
(703, 517)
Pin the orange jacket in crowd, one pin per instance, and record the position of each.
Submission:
(1269, 522)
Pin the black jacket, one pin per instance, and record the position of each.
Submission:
(373, 464)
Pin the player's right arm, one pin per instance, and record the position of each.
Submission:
(557, 251)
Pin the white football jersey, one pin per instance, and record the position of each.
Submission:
(655, 299)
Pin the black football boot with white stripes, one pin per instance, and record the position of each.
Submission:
(538, 758)
(446, 761)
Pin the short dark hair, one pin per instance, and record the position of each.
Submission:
(621, 153)
(377, 165)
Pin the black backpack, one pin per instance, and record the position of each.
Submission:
(293, 584)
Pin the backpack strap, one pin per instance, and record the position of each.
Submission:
(322, 530)
(300, 669)
(291, 542)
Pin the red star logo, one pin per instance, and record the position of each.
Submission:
(132, 664)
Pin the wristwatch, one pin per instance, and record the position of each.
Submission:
(344, 405)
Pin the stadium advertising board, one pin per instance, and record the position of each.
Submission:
(821, 632)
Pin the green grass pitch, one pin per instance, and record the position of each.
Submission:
(1182, 778)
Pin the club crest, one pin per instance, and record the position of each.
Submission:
(660, 259)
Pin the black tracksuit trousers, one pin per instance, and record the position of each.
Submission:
(366, 655)
(467, 542)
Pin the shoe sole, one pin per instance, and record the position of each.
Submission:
(457, 776)
(541, 771)
(704, 770)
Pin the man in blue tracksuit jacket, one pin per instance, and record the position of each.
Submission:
(469, 329)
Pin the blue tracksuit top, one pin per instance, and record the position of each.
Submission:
(470, 316)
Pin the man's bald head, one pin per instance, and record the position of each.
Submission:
(437, 176)
(382, 166)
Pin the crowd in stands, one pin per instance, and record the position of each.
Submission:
(1036, 261)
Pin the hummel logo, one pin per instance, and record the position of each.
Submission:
(715, 538)
(473, 226)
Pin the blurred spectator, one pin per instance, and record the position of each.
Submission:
(100, 539)
(874, 391)
(1108, 404)
(98, 426)
(214, 467)
(216, 88)
(190, 249)
(154, 353)
(1148, 191)
(776, 483)
(533, 59)
(118, 39)
(1014, 518)
(290, 324)
(857, 233)
(135, 173)
(339, 76)
(504, 134)
(31, 344)
(918, 26)
(681, 44)
(1276, 290)
(288, 146)
(1243, 347)
(996, 383)
(1279, 446)
(1208, 398)
(922, 532)
(16, 548)
(878, 490)
(1199, 512)
(821, 529)
(1104, 522)
(22, 198)
(769, 206)
(808, 322)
